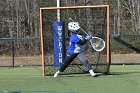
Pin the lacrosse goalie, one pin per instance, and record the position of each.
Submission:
(76, 49)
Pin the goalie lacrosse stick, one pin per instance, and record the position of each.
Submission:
(97, 43)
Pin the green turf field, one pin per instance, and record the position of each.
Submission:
(123, 79)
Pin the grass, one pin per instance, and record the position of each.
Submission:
(123, 79)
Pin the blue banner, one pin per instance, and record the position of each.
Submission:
(59, 43)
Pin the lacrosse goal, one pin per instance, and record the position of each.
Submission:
(93, 19)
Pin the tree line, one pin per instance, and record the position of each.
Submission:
(20, 19)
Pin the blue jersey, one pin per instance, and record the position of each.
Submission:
(74, 46)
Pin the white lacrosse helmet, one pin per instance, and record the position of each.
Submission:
(73, 26)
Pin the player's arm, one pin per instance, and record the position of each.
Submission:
(84, 40)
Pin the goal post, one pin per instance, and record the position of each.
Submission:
(101, 29)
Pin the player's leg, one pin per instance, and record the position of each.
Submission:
(69, 58)
(82, 57)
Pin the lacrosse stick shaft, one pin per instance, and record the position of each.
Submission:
(80, 27)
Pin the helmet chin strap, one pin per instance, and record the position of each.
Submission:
(77, 31)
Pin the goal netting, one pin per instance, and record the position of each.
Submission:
(93, 19)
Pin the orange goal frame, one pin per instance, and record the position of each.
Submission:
(108, 59)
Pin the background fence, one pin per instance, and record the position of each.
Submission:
(20, 52)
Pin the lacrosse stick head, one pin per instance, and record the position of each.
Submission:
(97, 44)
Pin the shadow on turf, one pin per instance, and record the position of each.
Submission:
(81, 75)
(122, 73)
(99, 74)
(34, 91)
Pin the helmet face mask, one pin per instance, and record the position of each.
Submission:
(73, 26)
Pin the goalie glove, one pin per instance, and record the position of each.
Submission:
(88, 37)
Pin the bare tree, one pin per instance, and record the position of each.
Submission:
(89, 17)
(133, 7)
(17, 19)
